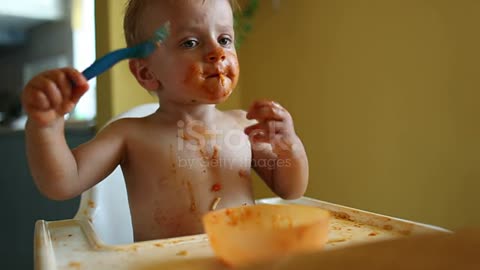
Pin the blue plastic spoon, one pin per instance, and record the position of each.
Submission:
(141, 50)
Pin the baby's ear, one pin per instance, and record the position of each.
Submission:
(143, 74)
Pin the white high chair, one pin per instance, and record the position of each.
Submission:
(106, 204)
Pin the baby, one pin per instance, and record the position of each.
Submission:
(188, 157)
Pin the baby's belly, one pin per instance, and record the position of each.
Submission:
(173, 204)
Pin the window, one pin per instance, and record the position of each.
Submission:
(83, 29)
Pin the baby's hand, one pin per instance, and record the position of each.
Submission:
(51, 94)
(275, 126)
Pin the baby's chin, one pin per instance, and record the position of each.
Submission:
(214, 92)
(212, 98)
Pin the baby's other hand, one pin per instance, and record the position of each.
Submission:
(52, 94)
(275, 126)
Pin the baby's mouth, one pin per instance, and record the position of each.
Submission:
(215, 75)
(221, 76)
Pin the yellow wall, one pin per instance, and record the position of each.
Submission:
(385, 95)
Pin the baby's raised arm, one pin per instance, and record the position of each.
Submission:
(58, 172)
(278, 153)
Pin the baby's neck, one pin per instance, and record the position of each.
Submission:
(188, 112)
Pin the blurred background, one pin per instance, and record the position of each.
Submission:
(36, 36)
(384, 95)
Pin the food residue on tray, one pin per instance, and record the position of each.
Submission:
(341, 215)
(336, 240)
(182, 253)
(336, 228)
(76, 265)
(176, 241)
(91, 204)
(388, 227)
(133, 248)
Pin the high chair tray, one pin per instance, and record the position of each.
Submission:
(72, 244)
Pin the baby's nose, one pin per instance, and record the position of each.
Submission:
(216, 55)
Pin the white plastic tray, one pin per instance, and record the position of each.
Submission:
(72, 244)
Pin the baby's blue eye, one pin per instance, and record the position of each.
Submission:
(191, 43)
(225, 41)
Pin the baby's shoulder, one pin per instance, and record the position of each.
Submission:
(123, 123)
(125, 126)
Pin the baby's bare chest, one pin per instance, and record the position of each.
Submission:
(175, 175)
(195, 173)
(189, 154)
(208, 145)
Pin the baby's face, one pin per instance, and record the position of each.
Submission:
(197, 63)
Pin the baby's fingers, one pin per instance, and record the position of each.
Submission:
(37, 100)
(72, 86)
(78, 82)
(264, 131)
(257, 133)
(265, 110)
(50, 90)
(65, 87)
(268, 127)
(256, 129)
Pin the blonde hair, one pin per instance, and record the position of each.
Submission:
(132, 19)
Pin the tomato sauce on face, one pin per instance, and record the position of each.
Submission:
(214, 87)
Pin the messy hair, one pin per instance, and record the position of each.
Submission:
(132, 24)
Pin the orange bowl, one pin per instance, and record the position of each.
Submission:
(261, 232)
